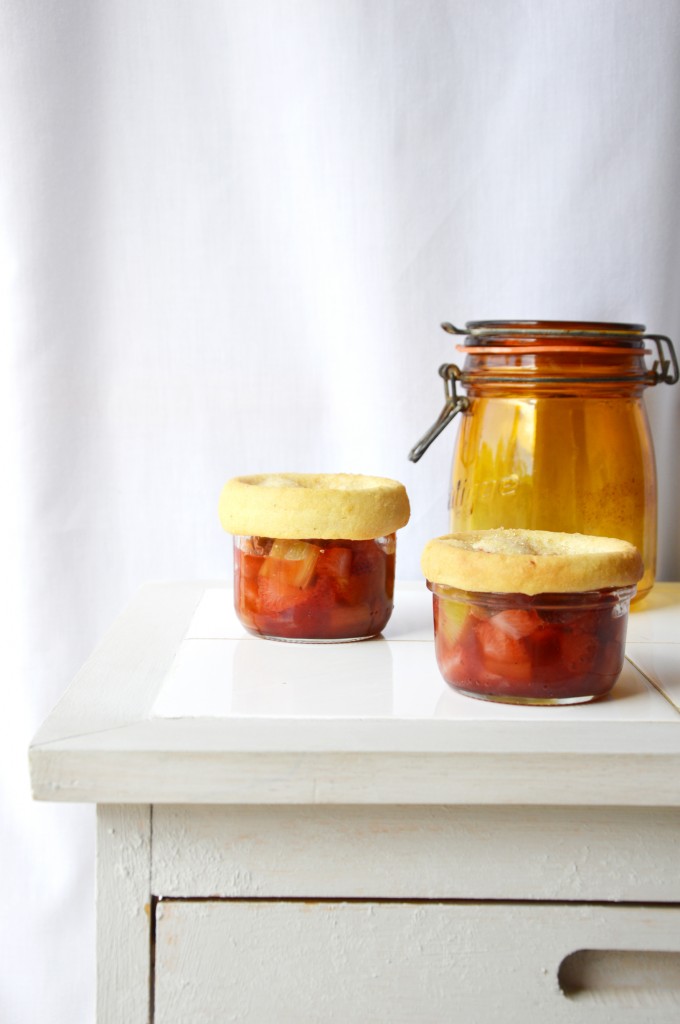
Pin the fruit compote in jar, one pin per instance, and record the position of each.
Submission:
(554, 434)
(314, 554)
(530, 617)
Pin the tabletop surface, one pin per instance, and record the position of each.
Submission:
(220, 670)
(179, 703)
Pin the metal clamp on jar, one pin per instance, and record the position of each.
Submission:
(554, 433)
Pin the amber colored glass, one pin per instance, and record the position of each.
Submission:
(556, 437)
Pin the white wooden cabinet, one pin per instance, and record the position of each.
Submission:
(298, 833)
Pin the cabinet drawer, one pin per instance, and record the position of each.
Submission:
(293, 962)
(606, 854)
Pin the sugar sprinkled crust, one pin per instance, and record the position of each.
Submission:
(301, 505)
(530, 562)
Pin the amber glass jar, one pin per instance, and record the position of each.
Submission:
(554, 434)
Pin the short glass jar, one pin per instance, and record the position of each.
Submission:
(545, 649)
(314, 554)
(531, 617)
(314, 589)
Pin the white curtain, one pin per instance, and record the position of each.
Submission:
(228, 232)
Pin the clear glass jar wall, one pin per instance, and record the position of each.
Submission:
(546, 649)
(314, 590)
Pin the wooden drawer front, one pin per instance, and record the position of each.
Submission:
(481, 853)
(297, 962)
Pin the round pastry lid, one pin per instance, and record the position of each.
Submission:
(530, 562)
(305, 505)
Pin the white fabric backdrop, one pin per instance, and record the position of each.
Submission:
(228, 231)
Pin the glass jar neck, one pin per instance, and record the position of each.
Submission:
(556, 368)
(550, 357)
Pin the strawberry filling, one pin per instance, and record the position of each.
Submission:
(314, 589)
(528, 652)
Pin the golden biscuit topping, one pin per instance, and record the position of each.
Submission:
(307, 505)
(530, 562)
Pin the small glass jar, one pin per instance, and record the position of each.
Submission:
(314, 554)
(530, 616)
(314, 589)
(545, 649)
(554, 434)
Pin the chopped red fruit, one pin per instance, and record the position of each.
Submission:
(529, 652)
(275, 595)
(292, 562)
(502, 653)
(517, 622)
(367, 555)
(335, 562)
(579, 650)
(250, 566)
(314, 589)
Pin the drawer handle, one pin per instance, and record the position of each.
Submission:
(621, 977)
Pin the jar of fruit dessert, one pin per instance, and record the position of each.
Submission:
(554, 434)
(530, 617)
(314, 554)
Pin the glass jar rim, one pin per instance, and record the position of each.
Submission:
(554, 328)
(578, 599)
(558, 338)
(555, 599)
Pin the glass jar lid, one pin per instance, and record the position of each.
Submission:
(536, 336)
(550, 335)
(482, 330)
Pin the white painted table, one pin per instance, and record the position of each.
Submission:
(296, 833)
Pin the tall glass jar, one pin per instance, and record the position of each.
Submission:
(554, 433)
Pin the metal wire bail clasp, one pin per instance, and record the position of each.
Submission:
(454, 404)
(665, 369)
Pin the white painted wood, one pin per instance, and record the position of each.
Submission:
(123, 915)
(119, 682)
(660, 664)
(208, 761)
(366, 778)
(385, 962)
(185, 769)
(607, 974)
(103, 744)
(519, 853)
